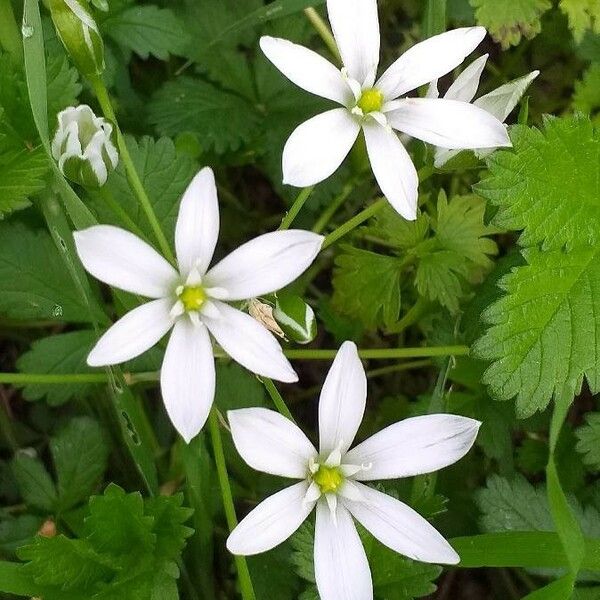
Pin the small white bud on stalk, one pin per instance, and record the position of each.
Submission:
(296, 319)
(79, 33)
(83, 147)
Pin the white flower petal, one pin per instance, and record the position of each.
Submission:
(414, 446)
(503, 100)
(187, 378)
(443, 155)
(249, 343)
(448, 123)
(265, 264)
(400, 528)
(307, 69)
(318, 146)
(197, 226)
(355, 25)
(393, 168)
(429, 60)
(133, 334)
(271, 443)
(341, 568)
(466, 84)
(123, 260)
(342, 401)
(273, 521)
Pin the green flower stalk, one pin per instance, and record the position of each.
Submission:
(83, 147)
(79, 34)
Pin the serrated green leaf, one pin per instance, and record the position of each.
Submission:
(542, 332)
(582, 15)
(117, 524)
(34, 482)
(589, 440)
(63, 86)
(548, 184)
(148, 30)
(33, 279)
(367, 286)
(165, 174)
(510, 20)
(80, 455)
(63, 353)
(17, 531)
(221, 120)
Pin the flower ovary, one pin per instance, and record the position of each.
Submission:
(329, 479)
(192, 298)
(370, 101)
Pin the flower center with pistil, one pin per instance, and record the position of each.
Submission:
(329, 479)
(192, 298)
(370, 101)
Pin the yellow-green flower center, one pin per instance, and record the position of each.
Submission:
(370, 101)
(192, 298)
(329, 479)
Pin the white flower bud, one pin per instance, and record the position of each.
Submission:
(83, 147)
(79, 34)
(296, 319)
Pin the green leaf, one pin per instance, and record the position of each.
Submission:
(58, 354)
(22, 174)
(34, 282)
(80, 455)
(14, 580)
(582, 15)
(221, 120)
(548, 187)
(548, 184)
(367, 286)
(117, 524)
(34, 482)
(148, 30)
(165, 174)
(587, 92)
(589, 440)
(17, 531)
(509, 20)
(63, 86)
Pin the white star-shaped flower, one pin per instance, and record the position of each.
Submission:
(499, 103)
(331, 480)
(318, 146)
(193, 300)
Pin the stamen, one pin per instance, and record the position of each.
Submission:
(328, 479)
(370, 101)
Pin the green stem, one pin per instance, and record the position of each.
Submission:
(10, 36)
(296, 207)
(278, 401)
(321, 28)
(50, 379)
(413, 315)
(385, 353)
(132, 174)
(406, 366)
(333, 207)
(119, 212)
(242, 566)
(354, 222)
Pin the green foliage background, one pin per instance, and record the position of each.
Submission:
(100, 500)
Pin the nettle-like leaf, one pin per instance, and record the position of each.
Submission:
(589, 440)
(165, 174)
(542, 332)
(510, 20)
(128, 551)
(148, 30)
(221, 120)
(582, 15)
(79, 453)
(367, 286)
(33, 278)
(587, 92)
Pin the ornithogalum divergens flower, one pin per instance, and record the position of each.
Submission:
(499, 102)
(331, 480)
(318, 146)
(193, 300)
